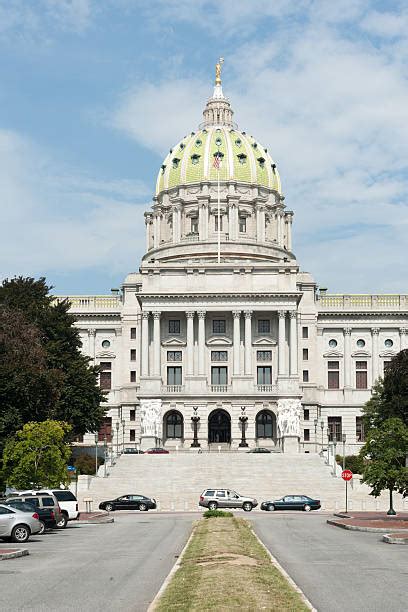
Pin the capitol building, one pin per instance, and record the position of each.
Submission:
(220, 340)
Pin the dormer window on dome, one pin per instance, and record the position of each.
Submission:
(238, 142)
(175, 162)
(273, 166)
(219, 154)
(195, 158)
(218, 141)
(255, 145)
(242, 158)
(198, 142)
(261, 161)
(163, 168)
(182, 145)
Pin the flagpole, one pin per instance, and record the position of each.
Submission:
(219, 216)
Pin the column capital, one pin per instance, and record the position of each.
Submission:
(248, 314)
(156, 315)
(403, 331)
(190, 314)
(293, 314)
(236, 314)
(375, 331)
(92, 331)
(201, 314)
(145, 314)
(282, 314)
(347, 331)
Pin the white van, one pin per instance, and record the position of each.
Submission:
(66, 499)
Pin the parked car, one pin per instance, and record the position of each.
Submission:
(66, 500)
(132, 451)
(292, 502)
(129, 502)
(43, 500)
(157, 451)
(46, 515)
(17, 525)
(226, 498)
(259, 450)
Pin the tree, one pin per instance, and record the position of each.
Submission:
(390, 395)
(43, 374)
(386, 449)
(37, 456)
(85, 464)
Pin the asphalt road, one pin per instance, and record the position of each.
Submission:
(338, 570)
(119, 566)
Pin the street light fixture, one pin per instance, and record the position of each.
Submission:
(322, 428)
(328, 446)
(315, 428)
(243, 419)
(195, 419)
(344, 437)
(96, 453)
(334, 454)
(123, 436)
(105, 455)
(111, 454)
(117, 438)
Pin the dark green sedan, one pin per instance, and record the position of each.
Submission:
(292, 502)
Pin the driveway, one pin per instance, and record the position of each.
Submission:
(118, 566)
(337, 570)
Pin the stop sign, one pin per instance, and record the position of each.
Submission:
(347, 474)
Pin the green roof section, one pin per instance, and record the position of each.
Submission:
(196, 157)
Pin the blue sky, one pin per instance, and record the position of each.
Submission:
(93, 94)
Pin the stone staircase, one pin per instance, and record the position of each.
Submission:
(177, 480)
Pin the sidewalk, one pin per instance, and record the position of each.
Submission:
(395, 527)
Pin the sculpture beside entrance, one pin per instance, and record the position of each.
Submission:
(151, 422)
(288, 423)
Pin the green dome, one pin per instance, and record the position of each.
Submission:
(244, 160)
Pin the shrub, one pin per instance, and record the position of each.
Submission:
(85, 464)
(353, 462)
(217, 514)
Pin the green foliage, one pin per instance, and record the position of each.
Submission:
(355, 463)
(43, 374)
(85, 464)
(217, 514)
(386, 450)
(38, 455)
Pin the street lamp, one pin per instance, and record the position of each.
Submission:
(322, 428)
(123, 436)
(343, 438)
(105, 455)
(334, 454)
(243, 419)
(195, 419)
(111, 454)
(117, 438)
(96, 453)
(328, 445)
(315, 428)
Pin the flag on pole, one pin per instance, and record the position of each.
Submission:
(217, 161)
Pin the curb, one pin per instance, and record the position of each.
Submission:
(170, 575)
(389, 539)
(101, 521)
(13, 553)
(285, 574)
(358, 528)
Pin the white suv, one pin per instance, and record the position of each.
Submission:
(66, 500)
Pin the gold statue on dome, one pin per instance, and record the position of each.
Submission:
(218, 66)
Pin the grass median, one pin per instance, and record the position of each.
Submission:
(226, 568)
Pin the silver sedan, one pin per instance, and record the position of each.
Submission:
(17, 525)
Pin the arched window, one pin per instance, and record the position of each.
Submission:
(264, 424)
(174, 425)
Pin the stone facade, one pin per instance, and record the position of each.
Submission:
(220, 340)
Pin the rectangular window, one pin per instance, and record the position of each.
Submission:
(333, 375)
(242, 225)
(334, 424)
(132, 415)
(174, 326)
(219, 375)
(386, 365)
(264, 375)
(361, 375)
(105, 375)
(264, 355)
(132, 375)
(360, 434)
(219, 356)
(174, 375)
(194, 225)
(133, 333)
(305, 375)
(105, 432)
(264, 326)
(305, 332)
(306, 414)
(305, 354)
(216, 223)
(132, 435)
(174, 356)
(306, 435)
(132, 354)
(218, 326)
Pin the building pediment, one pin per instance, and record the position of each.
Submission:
(105, 355)
(174, 342)
(219, 341)
(388, 353)
(361, 353)
(264, 342)
(332, 354)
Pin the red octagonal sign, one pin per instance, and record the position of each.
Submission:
(347, 474)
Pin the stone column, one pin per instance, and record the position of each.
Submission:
(278, 228)
(347, 357)
(293, 354)
(403, 338)
(148, 223)
(236, 340)
(175, 222)
(190, 342)
(156, 343)
(248, 341)
(232, 230)
(281, 343)
(289, 219)
(179, 228)
(145, 344)
(374, 354)
(91, 336)
(201, 342)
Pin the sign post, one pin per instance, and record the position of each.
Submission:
(346, 476)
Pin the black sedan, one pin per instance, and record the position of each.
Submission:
(129, 502)
(292, 502)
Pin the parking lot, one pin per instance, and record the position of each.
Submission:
(118, 566)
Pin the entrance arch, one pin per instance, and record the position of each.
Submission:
(219, 427)
(173, 425)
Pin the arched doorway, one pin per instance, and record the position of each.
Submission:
(265, 426)
(219, 427)
(173, 425)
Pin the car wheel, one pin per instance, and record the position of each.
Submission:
(212, 505)
(271, 508)
(20, 534)
(247, 506)
(142, 507)
(108, 507)
(307, 508)
(42, 525)
(62, 523)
